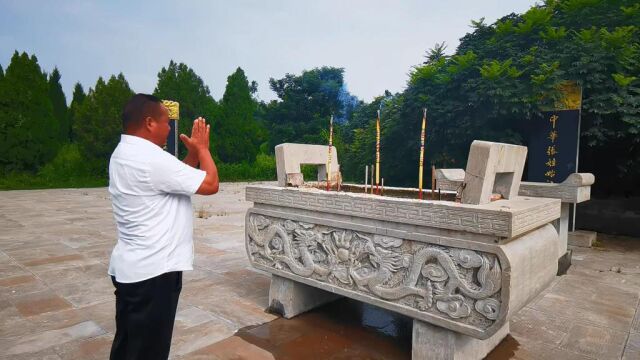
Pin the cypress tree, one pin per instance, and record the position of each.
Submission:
(99, 131)
(180, 83)
(239, 134)
(78, 97)
(28, 128)
(59, 102)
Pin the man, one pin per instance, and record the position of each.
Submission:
(151, 196)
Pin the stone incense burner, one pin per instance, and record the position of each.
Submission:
(459, 269)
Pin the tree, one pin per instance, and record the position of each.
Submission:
(305, 105)
(502, 73)
(59, 102)
(436, 53)
(28, 128)
(239, 134)
(178, 82)
(77, 100)
(99, 125)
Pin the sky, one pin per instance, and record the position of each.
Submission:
(376, 42)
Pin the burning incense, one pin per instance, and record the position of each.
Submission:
(377, 151)
(382, 187)
(421, 166)
(329, 157)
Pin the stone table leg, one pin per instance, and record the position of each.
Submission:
(437, 343)
(562, 227)
(290, 298)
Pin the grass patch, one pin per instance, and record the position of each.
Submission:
(67, 170)
(24, 181)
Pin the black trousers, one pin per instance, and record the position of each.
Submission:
(145, 312)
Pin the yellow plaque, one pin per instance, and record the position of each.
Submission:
(571, 96)
(173, 107)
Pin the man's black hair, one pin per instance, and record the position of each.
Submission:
(138, 108)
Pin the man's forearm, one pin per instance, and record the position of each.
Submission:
(191, 159)
(207, 164)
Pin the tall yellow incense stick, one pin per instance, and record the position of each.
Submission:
(377, 151)
(421, 166)
(329, 156)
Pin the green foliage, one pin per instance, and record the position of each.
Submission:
(99, 124)
(623, 81)
(499, 78)
(68, 169)
(262, 169)
(536, 17)
(462, 62)
(631, 11)
(68, 164)
(306, 102)
(27, 181)
(239, 135)
(570, 6)
(504, 28)
(78, 97)
(59, 103)
(437, 53)
(495, 69)
(178, 82)
(28, 128)
(552, 33)
(496, 81)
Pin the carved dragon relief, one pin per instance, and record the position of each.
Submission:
(458, 284)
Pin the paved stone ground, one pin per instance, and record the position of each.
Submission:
(56, 301)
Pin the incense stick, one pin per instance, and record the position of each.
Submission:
(329, 156)
(377, 151)
(371, 179)
(421, 163)
(366, 177)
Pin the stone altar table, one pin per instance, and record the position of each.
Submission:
(460, 270)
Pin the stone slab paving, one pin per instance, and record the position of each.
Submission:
(56, 301)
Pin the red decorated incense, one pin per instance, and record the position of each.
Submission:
(329, 156)
(378, 152)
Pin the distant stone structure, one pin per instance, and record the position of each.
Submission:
(460, 270)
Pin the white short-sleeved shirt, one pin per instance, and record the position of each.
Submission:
(151, 196)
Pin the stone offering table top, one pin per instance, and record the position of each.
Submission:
(505, 219)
